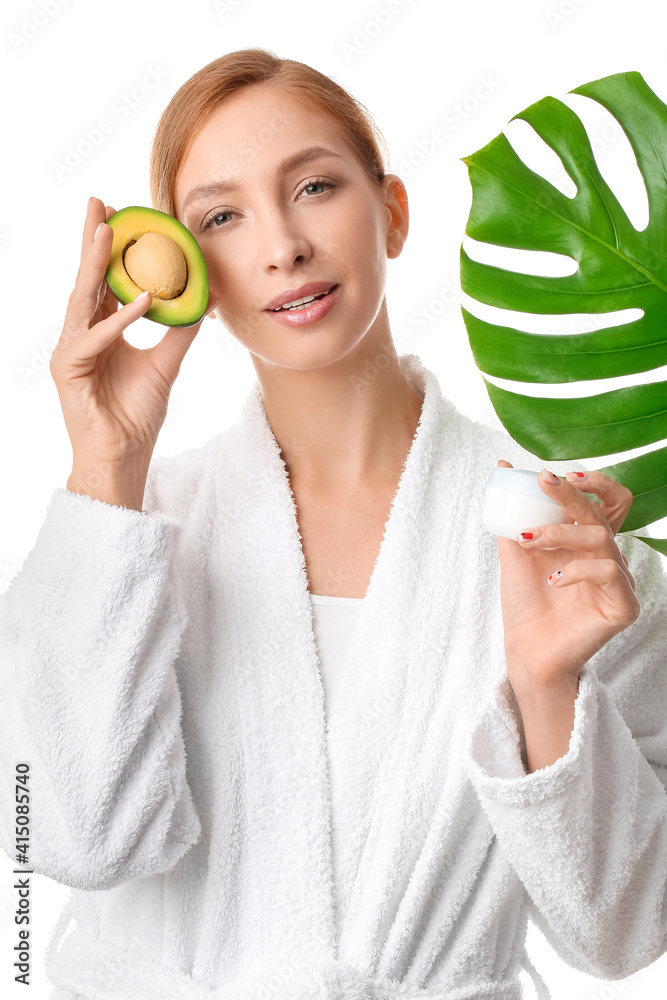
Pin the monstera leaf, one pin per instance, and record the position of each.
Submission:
(619, 267)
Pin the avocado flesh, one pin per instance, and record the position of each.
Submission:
(129, 225)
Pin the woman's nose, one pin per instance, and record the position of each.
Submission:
(283, 242)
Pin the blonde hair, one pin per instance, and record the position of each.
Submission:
(210, 86)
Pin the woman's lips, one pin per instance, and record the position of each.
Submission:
(302, 292)
(306, 314)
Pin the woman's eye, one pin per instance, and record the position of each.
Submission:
(217, 218)
(318, 183)
(212, 220)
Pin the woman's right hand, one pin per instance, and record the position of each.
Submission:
(113, 396)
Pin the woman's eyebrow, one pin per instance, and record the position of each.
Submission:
(284, 167)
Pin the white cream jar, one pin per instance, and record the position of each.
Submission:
(514, 500)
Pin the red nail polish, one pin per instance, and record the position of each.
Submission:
(526, 535)
(581, 474)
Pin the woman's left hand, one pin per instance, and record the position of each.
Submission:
(567, 590)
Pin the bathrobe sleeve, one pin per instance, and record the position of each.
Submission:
(587, 835)
(89, 632)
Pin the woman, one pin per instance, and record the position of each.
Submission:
(250, 797)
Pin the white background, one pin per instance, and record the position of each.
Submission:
(66, 66)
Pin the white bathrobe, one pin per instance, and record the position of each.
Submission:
(225, 840)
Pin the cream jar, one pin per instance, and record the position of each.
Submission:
(514, 501)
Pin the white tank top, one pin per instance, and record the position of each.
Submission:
(334, 619)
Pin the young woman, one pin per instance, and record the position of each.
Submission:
(292, 733)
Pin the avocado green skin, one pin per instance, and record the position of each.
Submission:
(129, 224)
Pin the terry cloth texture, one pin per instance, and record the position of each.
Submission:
(160, 675)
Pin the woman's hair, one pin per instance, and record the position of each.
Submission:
(191, 105)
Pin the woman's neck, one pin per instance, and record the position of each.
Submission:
(345, 426)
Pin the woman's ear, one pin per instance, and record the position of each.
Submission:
(396, 201)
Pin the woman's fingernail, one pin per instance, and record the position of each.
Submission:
(141, 297)
(555, 577)
(577, 476)
(550, 478)
(98, 231)
(527, 536)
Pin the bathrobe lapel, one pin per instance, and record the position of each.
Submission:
(374, 767)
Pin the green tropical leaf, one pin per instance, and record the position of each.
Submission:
(645, 477)
(659, 544)
(619, 267)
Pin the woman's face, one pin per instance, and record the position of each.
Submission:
(266, 227)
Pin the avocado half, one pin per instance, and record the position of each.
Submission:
(187, 306)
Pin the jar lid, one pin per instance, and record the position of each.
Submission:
(522, 481)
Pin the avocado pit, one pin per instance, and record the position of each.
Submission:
(156, 264)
